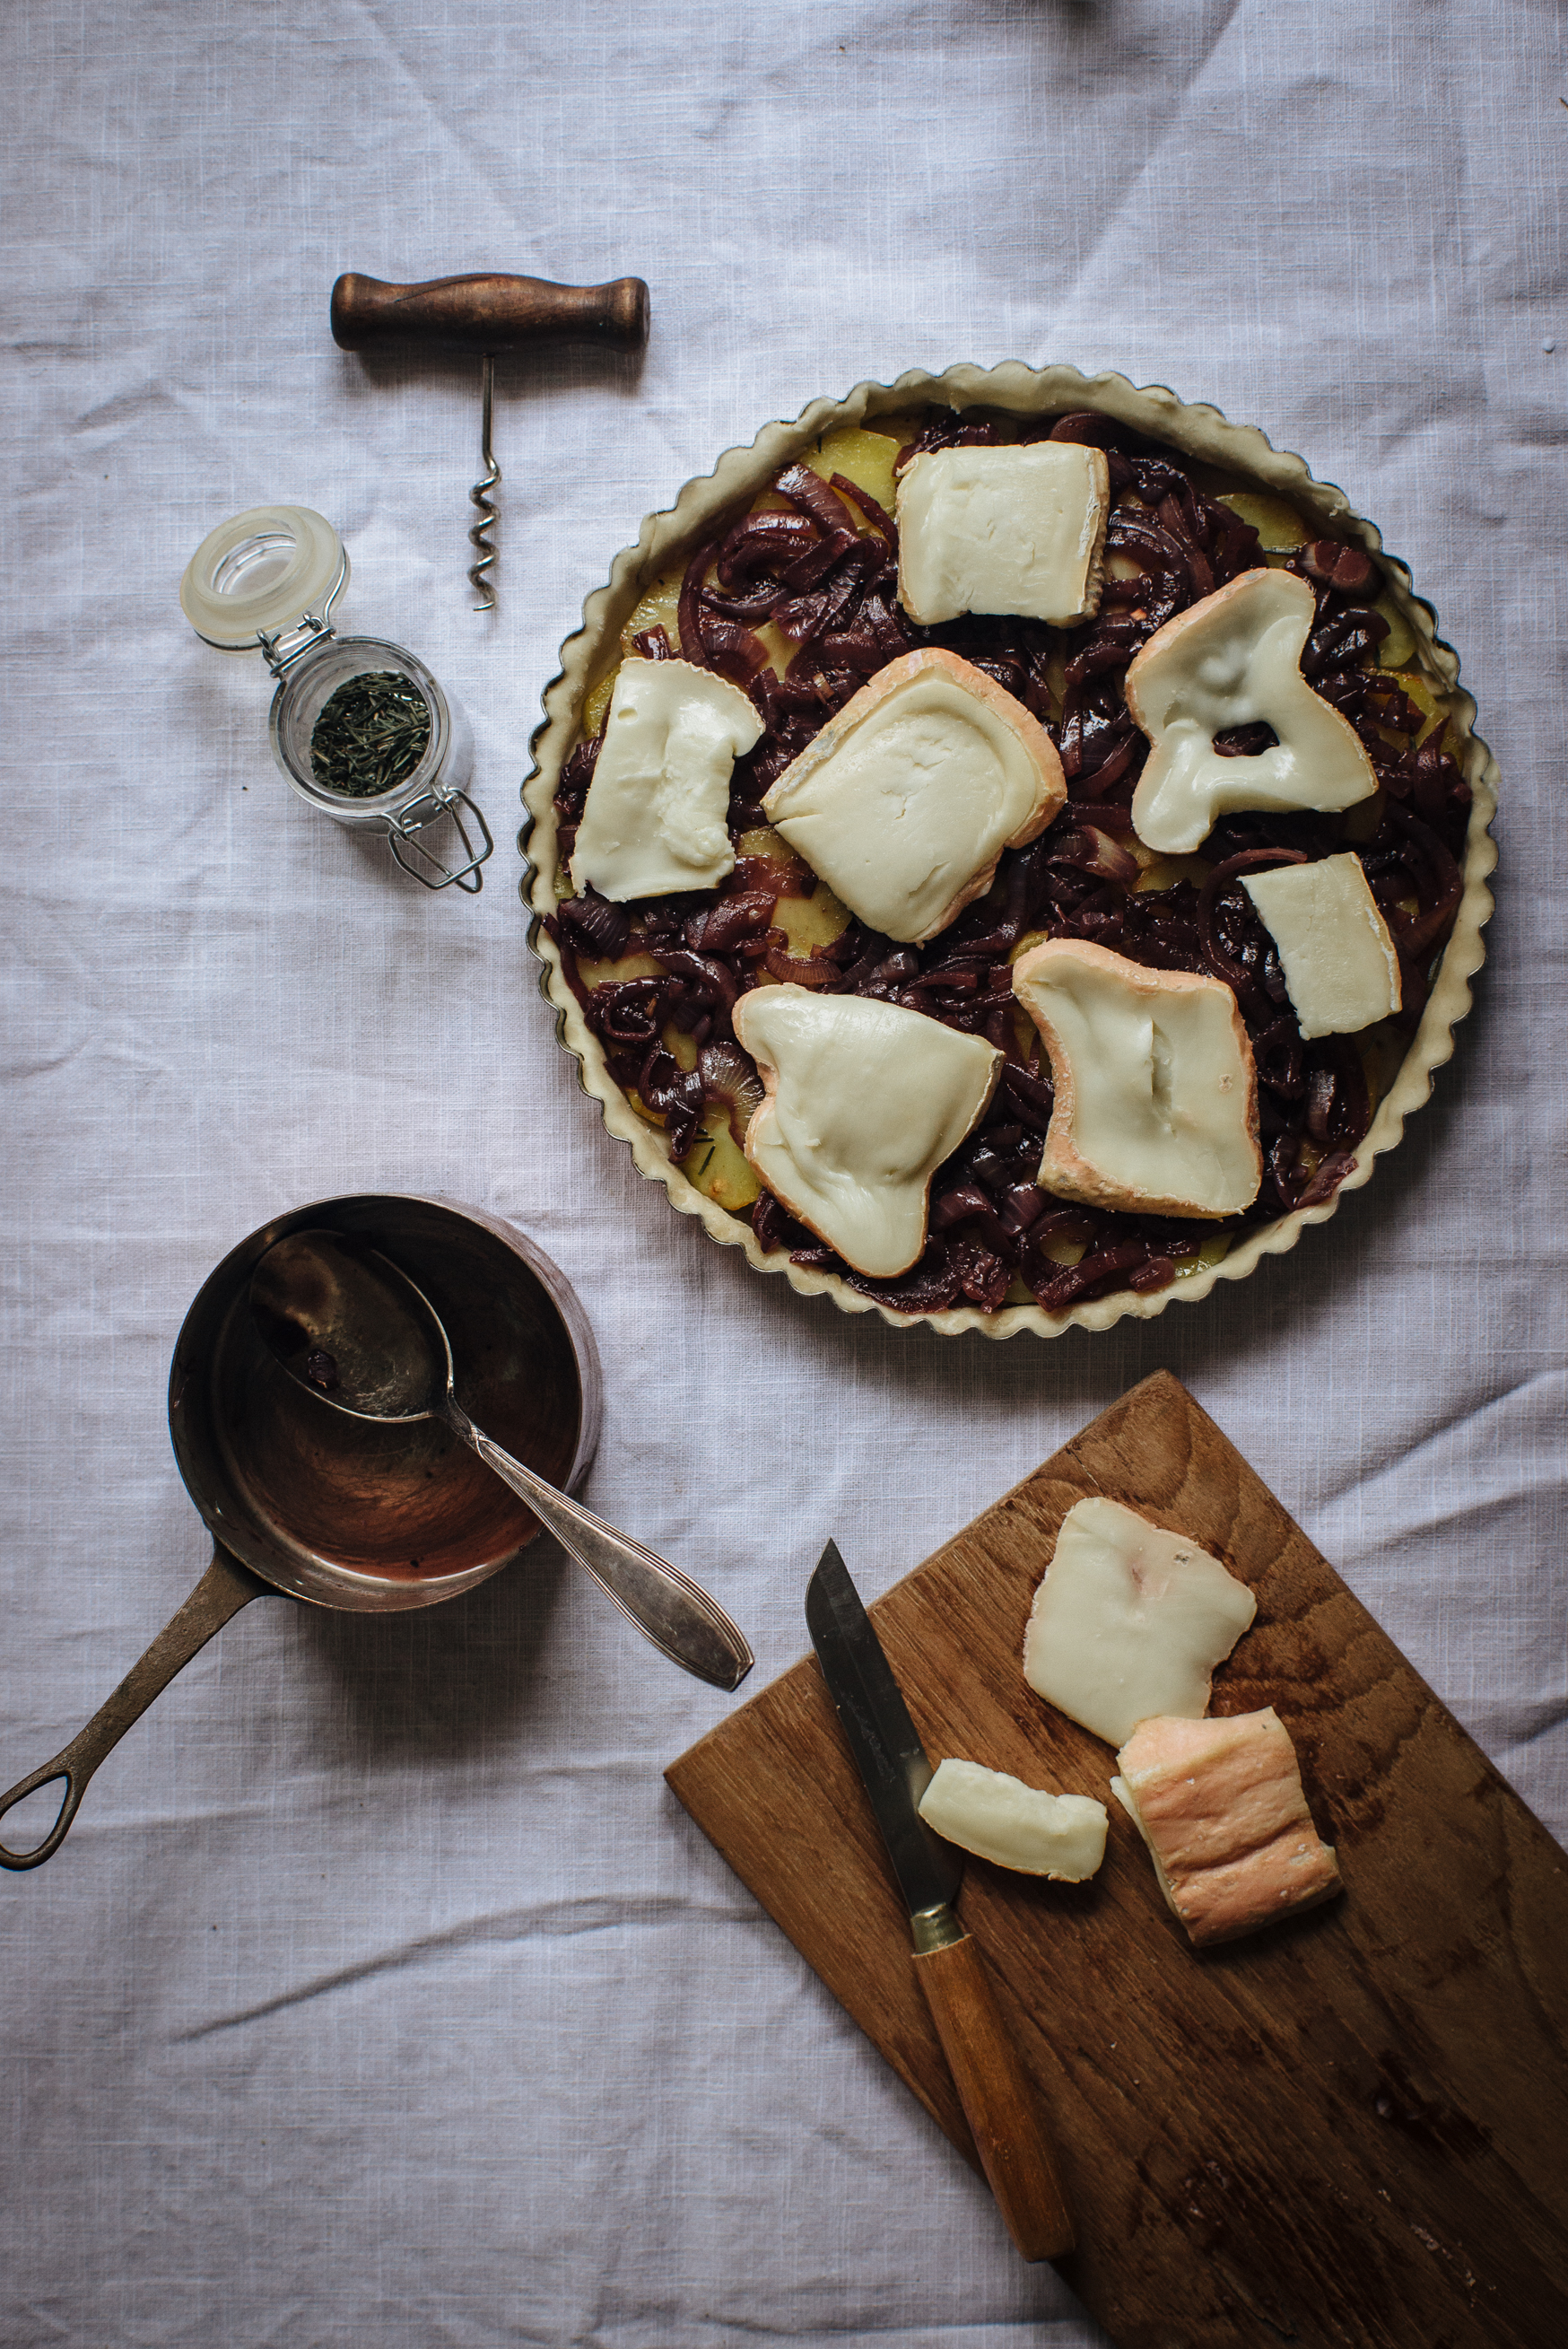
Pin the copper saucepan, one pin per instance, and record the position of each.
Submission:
(338, 1512)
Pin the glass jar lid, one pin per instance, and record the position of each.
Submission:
(261, 572)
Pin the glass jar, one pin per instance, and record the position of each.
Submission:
(266, 581)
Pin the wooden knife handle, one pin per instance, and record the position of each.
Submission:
(999, 2103)
(486, 313)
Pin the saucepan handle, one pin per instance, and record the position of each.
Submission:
(223, 1589)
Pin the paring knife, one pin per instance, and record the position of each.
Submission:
(998, 2102)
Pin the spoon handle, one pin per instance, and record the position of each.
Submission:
(666, 1605)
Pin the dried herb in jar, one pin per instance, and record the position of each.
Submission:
(371, 734)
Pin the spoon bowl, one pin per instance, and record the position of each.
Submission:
(347, 1325)
(351, 1327)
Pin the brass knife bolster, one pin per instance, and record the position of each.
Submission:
(934, 1929)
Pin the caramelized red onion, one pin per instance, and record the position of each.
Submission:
(730, 1081)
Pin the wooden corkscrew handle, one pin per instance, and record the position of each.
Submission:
(488, 312)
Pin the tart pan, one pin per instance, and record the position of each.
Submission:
(1198, 432)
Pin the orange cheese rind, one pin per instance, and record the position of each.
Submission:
(1220, 1807)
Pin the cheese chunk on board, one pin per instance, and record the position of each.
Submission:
(905, 800)
(861, 1102)
(1155, 1104)
(1129, 1622)
(1338, 960)
(654, 820)
(1235, 659)
(1019, 531)
(1024, 1827)
(1220, 1807)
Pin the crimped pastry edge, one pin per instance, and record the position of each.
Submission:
(1199, 430)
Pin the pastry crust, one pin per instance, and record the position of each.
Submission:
(708, 504)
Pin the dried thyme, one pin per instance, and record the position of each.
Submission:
(371, 734)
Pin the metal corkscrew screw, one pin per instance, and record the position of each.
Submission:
(480, 496)
(487, 314)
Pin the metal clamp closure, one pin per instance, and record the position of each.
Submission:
(428, 810)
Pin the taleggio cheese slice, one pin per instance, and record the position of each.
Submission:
(655, 820)
(1002, 1819)
(862, 1101)
(905, 800)
(1156, 1089)
(1339, 962)
(1220, 1807)
(1130, 1621)
(1235, 659)
(1014, 530)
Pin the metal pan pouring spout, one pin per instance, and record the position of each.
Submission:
(369, 1518)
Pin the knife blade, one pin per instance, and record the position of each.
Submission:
(998, 2099)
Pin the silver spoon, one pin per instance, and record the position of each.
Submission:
(355, 1332)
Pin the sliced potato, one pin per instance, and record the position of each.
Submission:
(772, 848)
(681, 1048)
(865, 458)
(1430, 701)
(634, 965)
(1164, 871)
(1399, 645)
(1211, 1251)
(1279, 527)
(717, 1166)
(657, 609)
(811, 922)
(596, 707)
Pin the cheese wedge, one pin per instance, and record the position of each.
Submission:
(862, 1101)
(1235, 659)
(655, 820)
(1009, 530)
(1338, 960)
(1130, 1621)
(1156, 1090)
(905, 800)
(1002, 1819)
(1221, 1808)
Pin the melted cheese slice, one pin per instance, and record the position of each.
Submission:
(654, 818)
(862, 1101)
(1001, 1819)
(1235, 659)
(1338, 960)
(1130, 1621)
(905, 800)
(1156, 1090)
(1019, 531)
(1220, 1807)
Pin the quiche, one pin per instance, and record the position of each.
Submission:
(1209, 580)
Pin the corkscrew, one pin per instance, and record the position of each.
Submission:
(487, 313)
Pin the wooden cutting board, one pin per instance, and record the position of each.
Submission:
(1351, 2129)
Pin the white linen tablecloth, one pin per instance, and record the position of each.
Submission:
(382, 1993)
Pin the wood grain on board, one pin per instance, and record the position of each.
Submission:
(1351, 2129)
